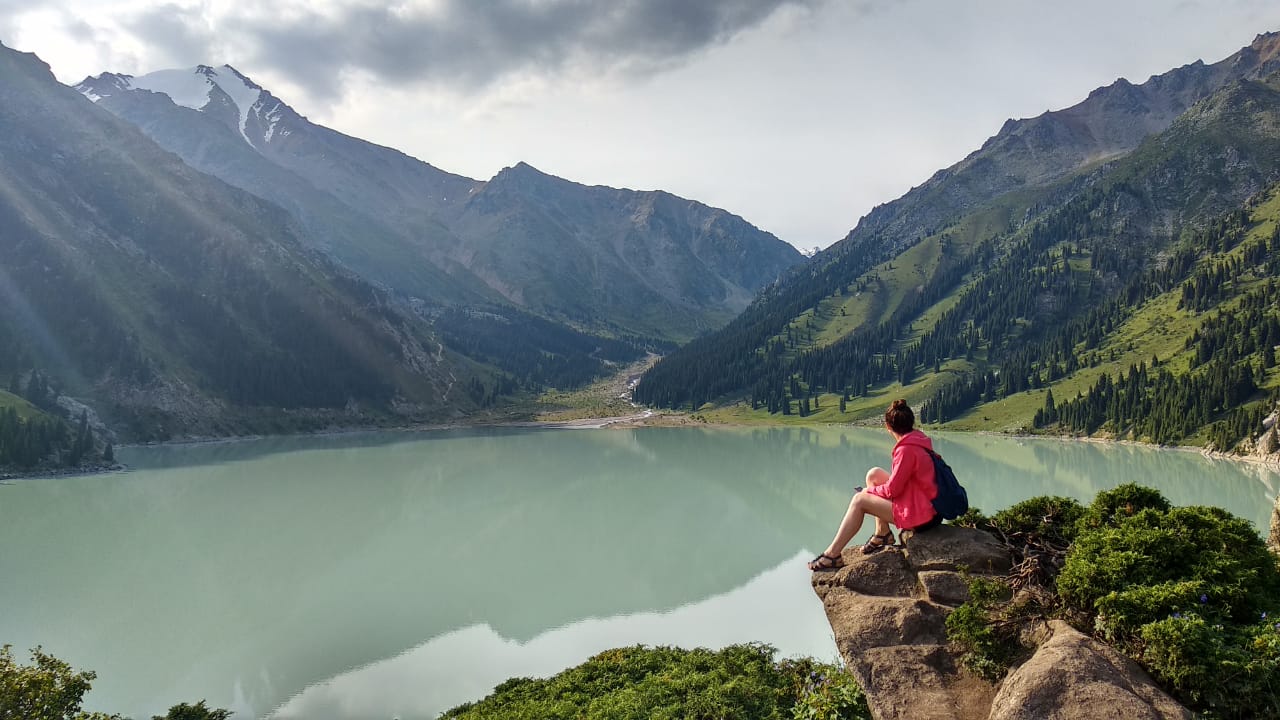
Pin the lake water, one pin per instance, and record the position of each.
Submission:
(399, 574)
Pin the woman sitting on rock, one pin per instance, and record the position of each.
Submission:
(903, 496)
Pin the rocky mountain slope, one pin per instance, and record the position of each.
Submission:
(178, 304)
(1054, 283)
(1037, 151)
(607, 260)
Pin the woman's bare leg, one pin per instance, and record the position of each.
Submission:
(863, 504)
(879, 476)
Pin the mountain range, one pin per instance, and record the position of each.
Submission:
(600, 259)
(1053, 256)
(172, 301)
(184, 254)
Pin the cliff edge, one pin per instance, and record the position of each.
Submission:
(888, 609)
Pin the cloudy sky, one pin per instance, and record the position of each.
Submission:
(799, 115)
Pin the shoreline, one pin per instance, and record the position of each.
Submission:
(646, 418)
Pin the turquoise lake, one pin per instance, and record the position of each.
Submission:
(398, 574)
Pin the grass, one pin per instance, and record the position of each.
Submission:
(865, 409)
(26, 410)
(1157, 329)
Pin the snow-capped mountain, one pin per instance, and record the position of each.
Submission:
(646, 263)
(202, 88)
(370, 208)
(172, 302)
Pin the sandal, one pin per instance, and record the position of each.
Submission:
(878, 543)
(826, 562)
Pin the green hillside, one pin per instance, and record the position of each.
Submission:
(1131, 286)
(29, 436)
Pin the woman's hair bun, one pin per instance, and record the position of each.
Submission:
(899, 417)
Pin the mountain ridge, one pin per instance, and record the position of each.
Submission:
(1008, 297)
(177, 303)
(1174, 91)
(474, 242)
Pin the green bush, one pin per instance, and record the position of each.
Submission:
(972, 518)
(1192, 593)
(48, 689)
(1185, 591)
(1048, 517)
(1225, 671)
(824, 692)
(199, 711)
(740, 681)
(1218, 553)
(1127, 500)
(1123, 612)
(983, 650)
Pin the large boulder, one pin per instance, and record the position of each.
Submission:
(956, 548)
(884, 573)
(888, 613)
(1073, 677)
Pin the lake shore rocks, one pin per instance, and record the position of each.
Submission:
(888, 613)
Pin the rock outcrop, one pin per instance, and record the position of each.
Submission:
(1073, 677)
(888, 611)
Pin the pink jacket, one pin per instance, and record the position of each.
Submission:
(912, 486)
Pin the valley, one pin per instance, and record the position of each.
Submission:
(1053, 262)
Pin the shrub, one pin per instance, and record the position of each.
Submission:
(972, 518)
(1235, 572)
(663, 682)
(1225, 671)
(1048, 517)
(1185, 591)
(49, 689)
(984, 650)
(199, 711)
(1037, 533)
(1127, 500)
(824, 692)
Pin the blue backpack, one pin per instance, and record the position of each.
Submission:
(952, 501)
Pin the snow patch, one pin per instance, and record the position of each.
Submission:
(188, 88)
(243, 93)
(272, 118)
(102, 86)
(191, 88)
